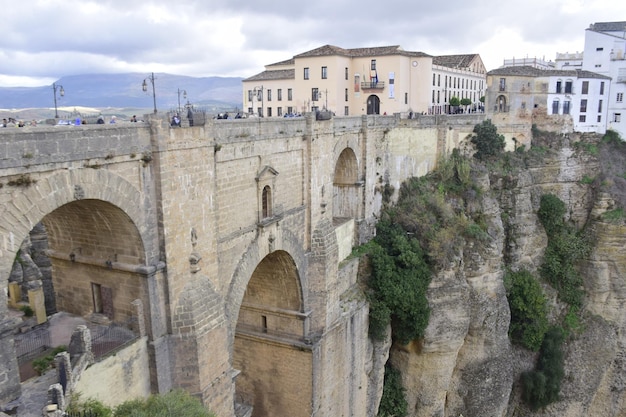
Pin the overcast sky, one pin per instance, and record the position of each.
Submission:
(44, 40)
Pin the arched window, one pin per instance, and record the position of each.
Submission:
(267, 202)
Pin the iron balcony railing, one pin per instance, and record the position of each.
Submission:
(372, 85)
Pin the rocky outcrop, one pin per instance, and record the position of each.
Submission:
(465, 364)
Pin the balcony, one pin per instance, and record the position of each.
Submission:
(372, 85)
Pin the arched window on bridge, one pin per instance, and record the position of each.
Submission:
(266, 188)
(266, 202)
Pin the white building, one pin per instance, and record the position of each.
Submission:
(605, 53)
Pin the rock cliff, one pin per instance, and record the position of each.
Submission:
(466, 364)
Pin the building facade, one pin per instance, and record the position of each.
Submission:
(576, 94)
(377, 80)
(605, 53)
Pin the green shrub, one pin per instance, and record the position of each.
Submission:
(42, 364)
(393, 402)
(398, 284)
(541, 386)
(551, 213)
(27, 310)
(614, 216)
(89, 406)
(529, 318)
(487, 141)
(177, 403)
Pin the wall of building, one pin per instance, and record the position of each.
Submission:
(118, 378)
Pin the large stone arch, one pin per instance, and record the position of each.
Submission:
(66, 202)
(268, 319)
(255, 253)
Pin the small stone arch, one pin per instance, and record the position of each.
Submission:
(501, 104)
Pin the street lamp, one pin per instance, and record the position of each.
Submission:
(144, 87)
(256, 91)
(56, 87)
(184, 93)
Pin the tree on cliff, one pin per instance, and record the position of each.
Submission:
(487, 141)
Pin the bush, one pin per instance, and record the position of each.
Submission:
(27, 310)
(529, 318)
(41, 365)
(487, 141)
(177, 403)
(398, 283)
(393, 402)
(542, 386)
(551, 213)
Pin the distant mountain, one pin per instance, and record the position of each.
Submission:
(124, 90)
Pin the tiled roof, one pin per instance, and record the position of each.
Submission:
(608, 26)
(285, 62)
(330, 50)
(286, 74)
(454, 61)
(528, 71)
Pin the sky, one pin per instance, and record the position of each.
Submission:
(44, 40)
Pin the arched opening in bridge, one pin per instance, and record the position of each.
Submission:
(80, 261)
(373, 104)
(270, 348)
(347, 200)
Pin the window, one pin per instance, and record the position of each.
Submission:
(346, 95)
(269, 95)
(373, 65)
(599, 49)
(249, 95)
(269, 112)
(602, 88)
(289, 110)
(502, 84)
(259, 95)
(582, 118)
(620, 97)
(279, 93)
(600, 106)
(259, 110)
(406, 98)
(306, 73)
(599, 118)
(267, 202)
(585, 87)
(438, 80)
(324, 73)
(583, 106)
(314, 94)
(559, 87)
(555, 107)
(434, 79)
(617, 117)
(250, 110)
(279, 111)
(433, 99)
(566, 106)
(289, 94)
(346, 71)
(346, 111)
(568, 87)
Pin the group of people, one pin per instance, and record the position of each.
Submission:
(11, 122)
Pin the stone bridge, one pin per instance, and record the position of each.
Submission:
(236, 238)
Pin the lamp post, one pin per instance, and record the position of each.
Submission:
(56, 87)
(184, 93)
(255, 91)
(144, 87)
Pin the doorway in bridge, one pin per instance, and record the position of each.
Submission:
(78, 262)
(270, 350)
(373, 104)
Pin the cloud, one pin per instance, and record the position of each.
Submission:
(43, 40)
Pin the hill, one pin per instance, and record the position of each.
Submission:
(125, 91)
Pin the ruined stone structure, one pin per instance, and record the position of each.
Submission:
(235, 236)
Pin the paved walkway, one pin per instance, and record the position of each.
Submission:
(35, 390)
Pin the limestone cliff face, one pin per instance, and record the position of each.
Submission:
(466, 365)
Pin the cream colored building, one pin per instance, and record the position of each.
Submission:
(377, 80)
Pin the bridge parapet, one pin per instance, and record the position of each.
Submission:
(22, 147)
